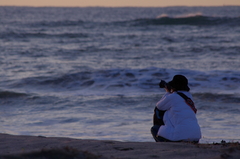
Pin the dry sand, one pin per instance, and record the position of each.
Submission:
(39, 147)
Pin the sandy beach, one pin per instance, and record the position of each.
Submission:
(24, 147)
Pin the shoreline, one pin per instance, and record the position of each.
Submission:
(24, 147)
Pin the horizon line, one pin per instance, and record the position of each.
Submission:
(93, 6)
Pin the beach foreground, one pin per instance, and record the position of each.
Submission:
(24, 147)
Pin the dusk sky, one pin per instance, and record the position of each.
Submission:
(117, 3)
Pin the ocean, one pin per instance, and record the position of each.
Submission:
(93, 72)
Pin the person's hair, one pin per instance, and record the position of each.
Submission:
(179, 83)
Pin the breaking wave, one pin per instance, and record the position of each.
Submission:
(134, 80)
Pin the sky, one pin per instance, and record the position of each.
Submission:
(118, 3)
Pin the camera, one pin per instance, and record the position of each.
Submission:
(164, 84)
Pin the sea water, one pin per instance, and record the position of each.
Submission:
(93, 73)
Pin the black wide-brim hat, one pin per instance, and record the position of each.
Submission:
(179, 82)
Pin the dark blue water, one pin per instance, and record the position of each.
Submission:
(94, 72)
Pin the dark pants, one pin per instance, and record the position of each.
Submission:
(154, 131)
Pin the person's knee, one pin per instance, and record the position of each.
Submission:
(155, 128)
(154, 131)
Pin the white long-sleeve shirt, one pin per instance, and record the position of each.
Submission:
(179, 119)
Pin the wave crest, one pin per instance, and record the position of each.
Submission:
(189, 19)
(10, 94)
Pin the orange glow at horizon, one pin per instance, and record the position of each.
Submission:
(118, 3)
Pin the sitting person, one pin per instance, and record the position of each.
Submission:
(179, 120)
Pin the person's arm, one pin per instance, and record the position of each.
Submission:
(164, 103)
